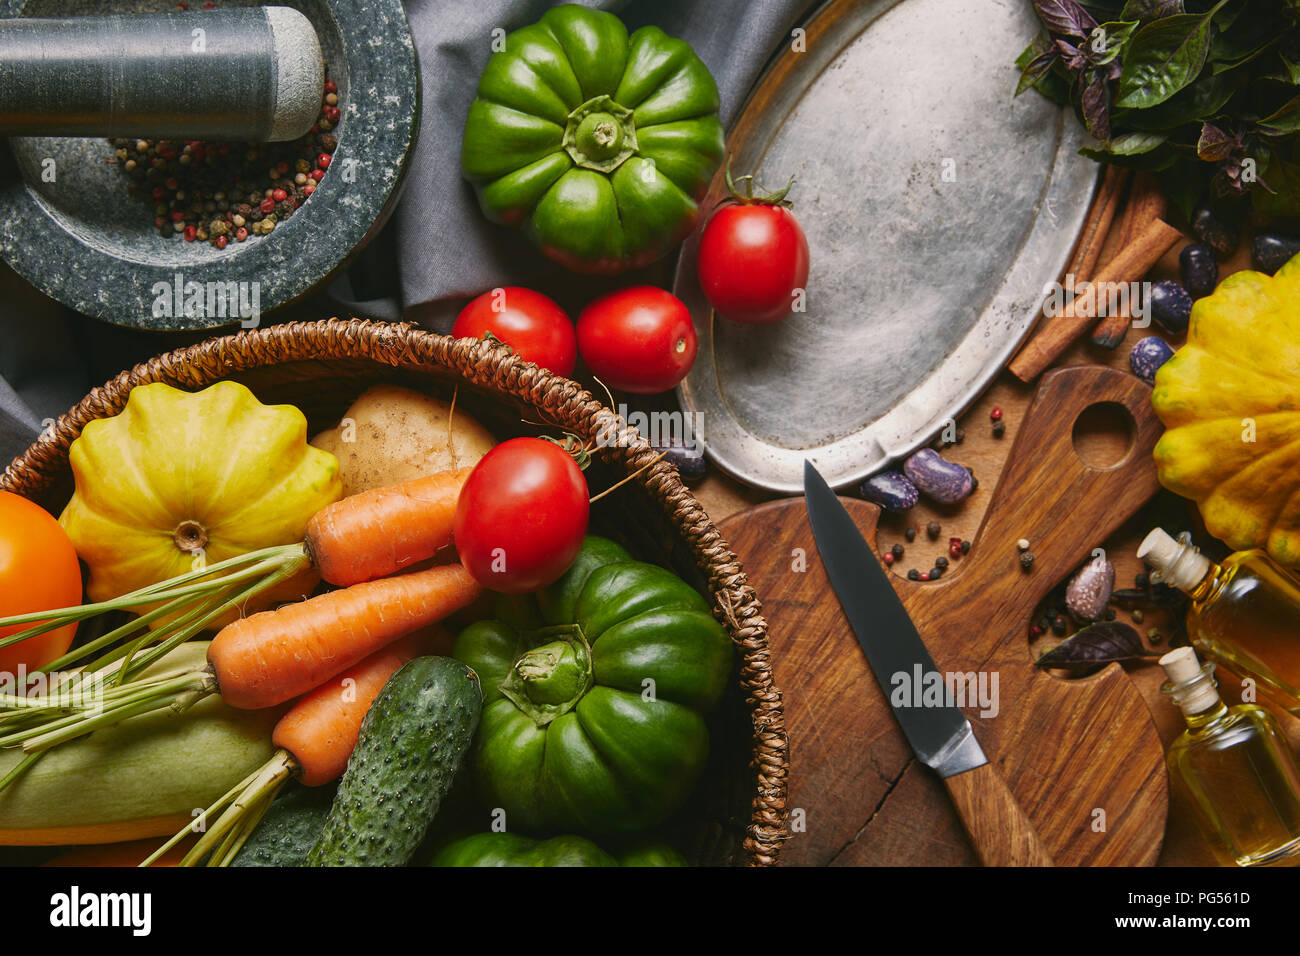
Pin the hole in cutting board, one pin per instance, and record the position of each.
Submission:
(1104, 434)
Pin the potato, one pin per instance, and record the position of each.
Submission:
(392, 434)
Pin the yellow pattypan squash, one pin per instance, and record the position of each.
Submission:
(1230, 399)
(181, 477)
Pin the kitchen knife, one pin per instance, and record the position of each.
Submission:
(938, 732)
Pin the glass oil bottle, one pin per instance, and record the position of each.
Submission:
(1235, 768)
(1245, 611)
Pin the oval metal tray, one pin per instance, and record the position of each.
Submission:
(937, 207)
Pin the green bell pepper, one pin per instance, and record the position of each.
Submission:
(511, 849)
(598, 144)
(594, 696)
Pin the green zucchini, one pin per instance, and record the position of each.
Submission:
(290, 828)
(143, 778)
(412, 742)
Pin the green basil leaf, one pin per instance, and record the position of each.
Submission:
(1183, 182)
(1224, 65)
(1048, 83)
(1135, 144)
(1256, 27)
(1284, 179)
(1161, 156)
(1109, 39)
(1165, 56)
(1198, 102)
(1150, 9)
(1292, 74)
(1283, 120)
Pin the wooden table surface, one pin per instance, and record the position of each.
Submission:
(985, 455)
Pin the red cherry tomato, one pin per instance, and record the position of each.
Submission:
(521, 516)
(38, 572)
(753, 261)
(638, 340)
(529, 322)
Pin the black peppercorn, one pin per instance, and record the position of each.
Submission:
(910, 534)
(914, 575)
(932, 530)
(941, 562)
(897, 551)
(1027, 560)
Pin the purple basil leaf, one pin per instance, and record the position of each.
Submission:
(1095, 645)
(1215, 145)
(1065, 17)
(1093, 102)
(1074, 59)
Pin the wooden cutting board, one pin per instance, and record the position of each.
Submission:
(1081, 756)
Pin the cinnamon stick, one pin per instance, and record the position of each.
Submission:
(1097, 225)
(1146, 203)
(1130, 264)
(1087, 250)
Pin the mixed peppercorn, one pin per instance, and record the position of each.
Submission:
(220, 193)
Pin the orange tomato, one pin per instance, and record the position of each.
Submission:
(38, 572)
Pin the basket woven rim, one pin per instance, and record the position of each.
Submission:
(491, 365)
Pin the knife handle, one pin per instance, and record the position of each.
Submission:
(999, 829)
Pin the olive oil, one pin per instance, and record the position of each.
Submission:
(1245, 612)
(1234, 767)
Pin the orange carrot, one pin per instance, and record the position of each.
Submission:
(274, 656)
(313, 740)
(320, 730)
(377, 532)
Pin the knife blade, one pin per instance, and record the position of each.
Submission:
(938, 732)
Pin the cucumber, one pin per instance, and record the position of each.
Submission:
(143, 778)
(289, 829)
(412, 742)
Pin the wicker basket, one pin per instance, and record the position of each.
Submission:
(738, 813)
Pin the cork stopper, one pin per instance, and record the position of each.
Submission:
(1175, 562)
(1191, 684)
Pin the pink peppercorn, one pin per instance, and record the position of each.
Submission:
(317, 174)
(323, 160)
(308, 189)
(279, 195)
(241, 234)
(190, 233)
(267, 205)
